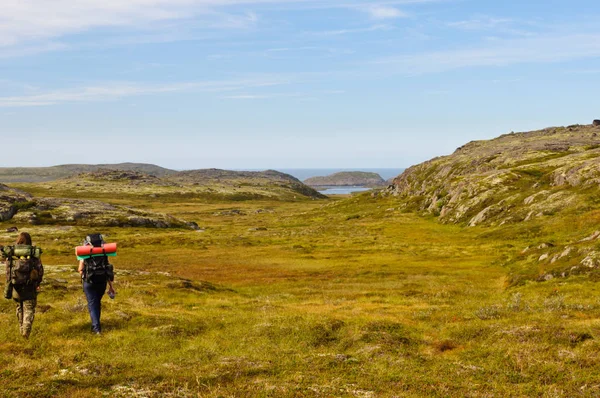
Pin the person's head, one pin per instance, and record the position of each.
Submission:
(23, 239)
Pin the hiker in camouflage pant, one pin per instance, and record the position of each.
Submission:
(25, 295)
(25, 314)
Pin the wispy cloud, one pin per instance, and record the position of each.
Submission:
(298, 95)
(540, 49)
(339, 32)
(499, 26)
(384, 12)
(480, 23)
(285, 53)
(583, 72)
(246, 97)
(29, 20)
(24, 21)
(121, 90)
(27, 50)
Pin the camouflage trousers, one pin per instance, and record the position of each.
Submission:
(25, 315)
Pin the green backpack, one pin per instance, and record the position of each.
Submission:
(24, 264)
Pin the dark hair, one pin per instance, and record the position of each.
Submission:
(23, 239)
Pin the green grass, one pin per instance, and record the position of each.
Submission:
(310, 299)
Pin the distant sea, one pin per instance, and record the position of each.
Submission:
(303, 174)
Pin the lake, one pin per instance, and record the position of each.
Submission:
(341, 190)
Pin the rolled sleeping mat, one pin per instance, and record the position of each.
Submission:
(21, 251)
(108, 248)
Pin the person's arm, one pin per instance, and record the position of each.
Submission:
(80, 269)
(110, 286)
(40, 276)
(111, 279)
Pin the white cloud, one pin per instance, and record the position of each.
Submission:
(540, 49)
(26, 50)
(120, 90)
(583, 72)
(384, 12)
(23, 21)
(34, 20)
(480, 23)
(246, 97)
(340, 32)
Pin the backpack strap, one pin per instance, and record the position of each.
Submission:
(9, 259)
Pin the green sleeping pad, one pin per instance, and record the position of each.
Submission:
(20, 251)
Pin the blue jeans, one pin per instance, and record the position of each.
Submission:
(93, 294)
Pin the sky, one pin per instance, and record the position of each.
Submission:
(257, 84)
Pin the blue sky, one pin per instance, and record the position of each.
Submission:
(287, 83)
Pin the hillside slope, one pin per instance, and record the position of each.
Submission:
(261, 183)
(515, 177)
(40, 174)
(347, 178)
(543, 185)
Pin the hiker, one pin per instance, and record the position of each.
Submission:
(24, 273)
(96, 272)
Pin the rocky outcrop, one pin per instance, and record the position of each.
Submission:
(10, 201)
(96, 213)
(118, 175)
(259, 181)
(596, 123)
(129, 177)
(515, 177)
(347, 178)
(23, 208)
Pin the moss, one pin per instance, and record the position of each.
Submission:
(22, 206)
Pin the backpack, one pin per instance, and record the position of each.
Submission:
(24, 263)
(96, 269)
(96, 240)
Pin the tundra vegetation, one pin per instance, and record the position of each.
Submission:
(371, 295)
(347, 178)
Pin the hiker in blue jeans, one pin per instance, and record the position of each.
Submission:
(96, 273)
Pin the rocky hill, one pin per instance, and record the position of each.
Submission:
(40, 174)
(515, 177)
(266, 183)
(347, 178)
(209, 185)
(542, 184)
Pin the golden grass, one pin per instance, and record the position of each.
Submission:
(312, 304)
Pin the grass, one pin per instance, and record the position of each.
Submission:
(309, 299)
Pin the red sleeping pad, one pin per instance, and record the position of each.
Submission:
(106, 249)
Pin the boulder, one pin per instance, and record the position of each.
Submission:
(596, 122)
